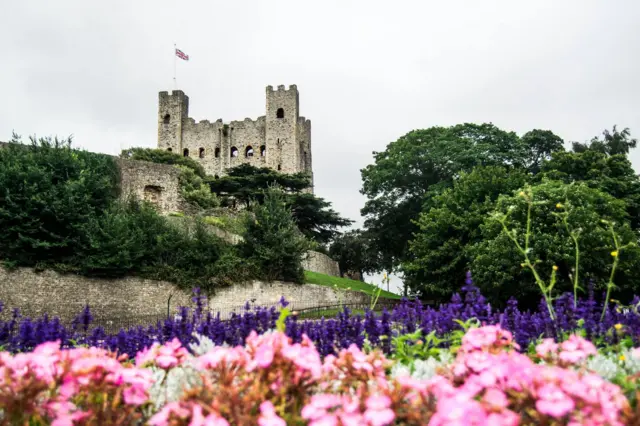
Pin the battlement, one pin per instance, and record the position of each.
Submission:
(279, 139)
(282, 88)
(165, 94)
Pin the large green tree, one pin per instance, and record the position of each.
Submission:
(419, 165)
(612, 174)
(272, 241)
(246, 185)
(352, 250)
(497, 264)
(612, 143)
(440, 249)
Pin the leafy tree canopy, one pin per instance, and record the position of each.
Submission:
(496, 264)
(272, 241)
(440, 249)
(422, 163)
(612, 143)
(247, 185)
(352, 251)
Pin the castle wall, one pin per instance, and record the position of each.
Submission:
(157, 183)
(321, 263)
(131, 300)
(285, 135)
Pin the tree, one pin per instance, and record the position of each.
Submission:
(272, 241)
(496, 263)
(422, 163)
(353, 253)
(440, 249)
(541, 145)
(613, 175)
(248, 185)
(613, 143)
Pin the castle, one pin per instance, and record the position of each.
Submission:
(280, 140)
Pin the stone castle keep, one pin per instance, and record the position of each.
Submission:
(280, 140)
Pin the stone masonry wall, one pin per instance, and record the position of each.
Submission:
(144, 300)
(280, 140)
(321, 263)
(157, 183)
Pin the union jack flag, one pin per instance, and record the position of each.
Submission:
(180, 54)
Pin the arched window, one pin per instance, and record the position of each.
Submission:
(166, 119)
(185, 152)
(169, 149)
(279, 167)
(217, 152)
(248, 152)
(280, 113)
(201, 152)
(263, 151)
(234, 151)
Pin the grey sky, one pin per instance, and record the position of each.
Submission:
(367, 71)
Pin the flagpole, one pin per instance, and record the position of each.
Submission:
(175, 83)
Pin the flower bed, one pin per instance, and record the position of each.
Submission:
(272, 380)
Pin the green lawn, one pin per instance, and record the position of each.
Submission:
(347, 284)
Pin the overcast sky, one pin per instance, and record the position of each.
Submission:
(367, 71)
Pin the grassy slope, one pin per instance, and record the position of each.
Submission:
(345, 283)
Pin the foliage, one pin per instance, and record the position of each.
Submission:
(613, 143)
(440, 250)
(48, 192)
(420, 164)
(613, 175)
(59, 209)
(194, 190)
(233, 222)
(160, 156)
(272, 241)
(497, 265)
(245, 185)
(352, 250)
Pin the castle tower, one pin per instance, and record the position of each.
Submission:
(280, 140)
(172, 110)
(281, 134)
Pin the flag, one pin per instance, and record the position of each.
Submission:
(180, 54)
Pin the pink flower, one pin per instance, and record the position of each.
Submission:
(264, 356)
(546, 348)
(161, 418)
(135, 395)
(378, 412)
(268, 415)
(553, 402)
(496, 399)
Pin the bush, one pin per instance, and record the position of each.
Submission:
(48, 193)
(194, 190)
(272, 241)
(161, 156)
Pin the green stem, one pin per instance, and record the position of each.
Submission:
(527, 261)
(613, 271)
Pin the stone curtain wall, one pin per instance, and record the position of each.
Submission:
(132, 298)
(321, 263)
(157, 183)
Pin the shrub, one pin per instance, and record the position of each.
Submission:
(161, 156)
(48, 192)
(273, 242)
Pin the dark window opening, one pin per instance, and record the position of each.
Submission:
(166, 119)
(234, 151)
(216, 176)
(201, 152)
(248, 152)
(263, 151)
(280, 113)
(169, 149)
(153, 194)
(279, 167)
(185, 152)
(217, 152)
